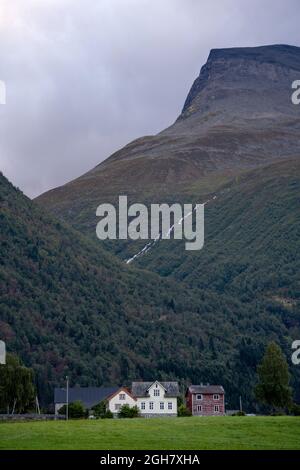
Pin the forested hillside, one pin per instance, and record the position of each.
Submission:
(68, 307)
(70, 303)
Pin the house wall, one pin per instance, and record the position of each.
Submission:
(58, 406)
(157, 400)
(189, 401)
(115, 403)
(207, 403)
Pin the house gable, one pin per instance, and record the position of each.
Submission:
(140, 389)
(121, 390)
(156, 390)
(121, 397)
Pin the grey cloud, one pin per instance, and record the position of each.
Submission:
(84, 78)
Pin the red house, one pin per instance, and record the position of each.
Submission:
(206, 400)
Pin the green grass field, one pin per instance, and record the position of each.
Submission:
(157, 434)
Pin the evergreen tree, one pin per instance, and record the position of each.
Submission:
(273, 387)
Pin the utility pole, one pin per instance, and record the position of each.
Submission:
(67, 399)
(241, 406)
(2, 353)
(37, 405)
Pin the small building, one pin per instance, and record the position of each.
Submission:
(89, 396)
(120, 397)
(156, 399)
(206, 400)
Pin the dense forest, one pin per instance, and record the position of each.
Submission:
(70, 307)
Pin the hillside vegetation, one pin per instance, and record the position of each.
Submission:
(70, 304)
(68, 307)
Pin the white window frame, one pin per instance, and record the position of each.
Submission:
(199, 408)
(143, 405)
(151, 405)
(216, 396)
(170, 405)
(117, 406)
(199, 395)
(122, 396)
(161, 405)
(217, 409)
(156, 392)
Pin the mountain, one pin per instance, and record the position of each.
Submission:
(69, 308)
(238, 115)
(194, 316)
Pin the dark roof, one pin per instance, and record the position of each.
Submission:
(206, 389)
(89, 396)
(140, 389)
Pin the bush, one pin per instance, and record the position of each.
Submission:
(239, 413)
(183, 411)
(129, 412)
(179, 401)
(295, 409)
(107, 415)
(76, 410)
(100, 409)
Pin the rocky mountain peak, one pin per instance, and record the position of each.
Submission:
(247, 82)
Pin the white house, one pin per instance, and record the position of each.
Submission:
(152, 398)
(156, 398)
(119, 398)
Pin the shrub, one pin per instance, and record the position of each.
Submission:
(100, 410)
(179, 401)
(108, 415)
(76, 410)
(183, 411)
(129, 412)
(239, 413)
(295, 409)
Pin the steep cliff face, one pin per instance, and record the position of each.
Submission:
(238, 116)
(245, 83)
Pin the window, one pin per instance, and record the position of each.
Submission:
(199, 396)
(161, 405)
(216, 397)
(122, 396)
(156, 392)
(170, 406)
(217, 408)
(151, 405)
(117, 406)
(199, 408)
(143, 405)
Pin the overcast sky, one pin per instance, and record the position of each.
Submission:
(84, 77)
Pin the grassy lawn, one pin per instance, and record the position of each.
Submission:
(157, 434)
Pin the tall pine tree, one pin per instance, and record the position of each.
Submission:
(273, 387)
